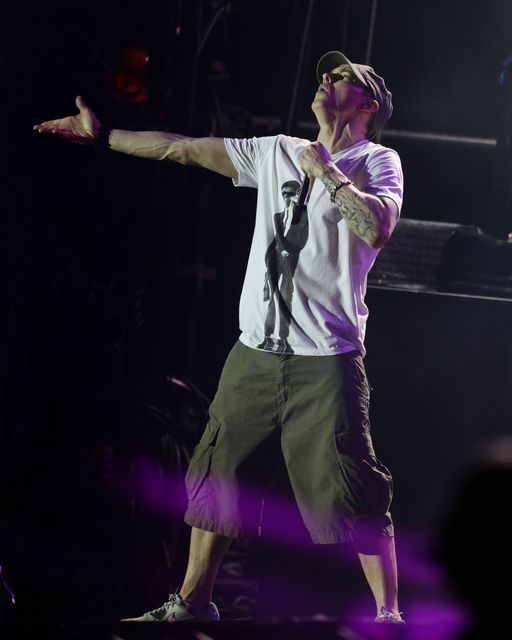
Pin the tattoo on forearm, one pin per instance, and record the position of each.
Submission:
(356, 213)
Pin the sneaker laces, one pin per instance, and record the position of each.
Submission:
(386, 615)
(173, 597)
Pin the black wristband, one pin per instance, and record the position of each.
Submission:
(102, 139)
(337, 187)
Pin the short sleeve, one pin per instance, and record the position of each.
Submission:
(385, 177)
(247, 155)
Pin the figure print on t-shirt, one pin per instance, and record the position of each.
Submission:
(281, 260)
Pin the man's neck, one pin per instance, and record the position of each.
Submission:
(339, 131)
(339, 136)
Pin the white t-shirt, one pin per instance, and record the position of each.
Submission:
(305, 282)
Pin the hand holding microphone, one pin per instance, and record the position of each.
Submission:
(314, 161)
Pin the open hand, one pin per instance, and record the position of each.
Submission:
(81, 128)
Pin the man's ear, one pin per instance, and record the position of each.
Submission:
(369, 104)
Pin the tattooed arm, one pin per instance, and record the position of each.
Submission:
(371, 218)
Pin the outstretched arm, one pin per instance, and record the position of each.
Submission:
(369, 217)
(84, 127)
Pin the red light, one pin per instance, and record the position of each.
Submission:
(135, 58)
(130, 82)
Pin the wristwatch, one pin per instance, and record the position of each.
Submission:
(334, 190)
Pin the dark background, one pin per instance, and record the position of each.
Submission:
(120, 277)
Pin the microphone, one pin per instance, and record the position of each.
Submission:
(300, 206)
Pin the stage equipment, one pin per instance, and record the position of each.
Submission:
(438, 256)
(410, 257)
(505, 135)
(474, 263)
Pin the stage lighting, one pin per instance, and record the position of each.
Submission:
(129, 83)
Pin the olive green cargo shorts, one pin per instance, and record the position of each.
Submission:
(312, 411)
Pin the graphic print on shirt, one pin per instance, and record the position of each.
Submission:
(281, 260)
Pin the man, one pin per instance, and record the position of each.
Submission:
(308, 398)
(281, 258)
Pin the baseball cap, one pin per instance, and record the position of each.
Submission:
(367, 76)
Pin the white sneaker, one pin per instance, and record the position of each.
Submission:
(386, 615)
(177, 610)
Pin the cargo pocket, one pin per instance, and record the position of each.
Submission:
(201, 461)
(367, 483)
(379, 485)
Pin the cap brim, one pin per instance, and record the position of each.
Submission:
(329, 61)
(333, 59)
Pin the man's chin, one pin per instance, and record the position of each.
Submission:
(318, 108)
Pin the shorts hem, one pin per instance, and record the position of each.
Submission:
(336, 536)
(331, 537)
(227, 530)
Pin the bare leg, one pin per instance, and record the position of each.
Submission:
(206, 552)
(381, 573)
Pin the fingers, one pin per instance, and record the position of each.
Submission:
(307, 163)
(79, 101)
(320, 147)
(44, 127)
(303, 161)
(50, 126)
(54, 127)
(314, 160)
(66, 134)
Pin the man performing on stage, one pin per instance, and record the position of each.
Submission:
(297, 386)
